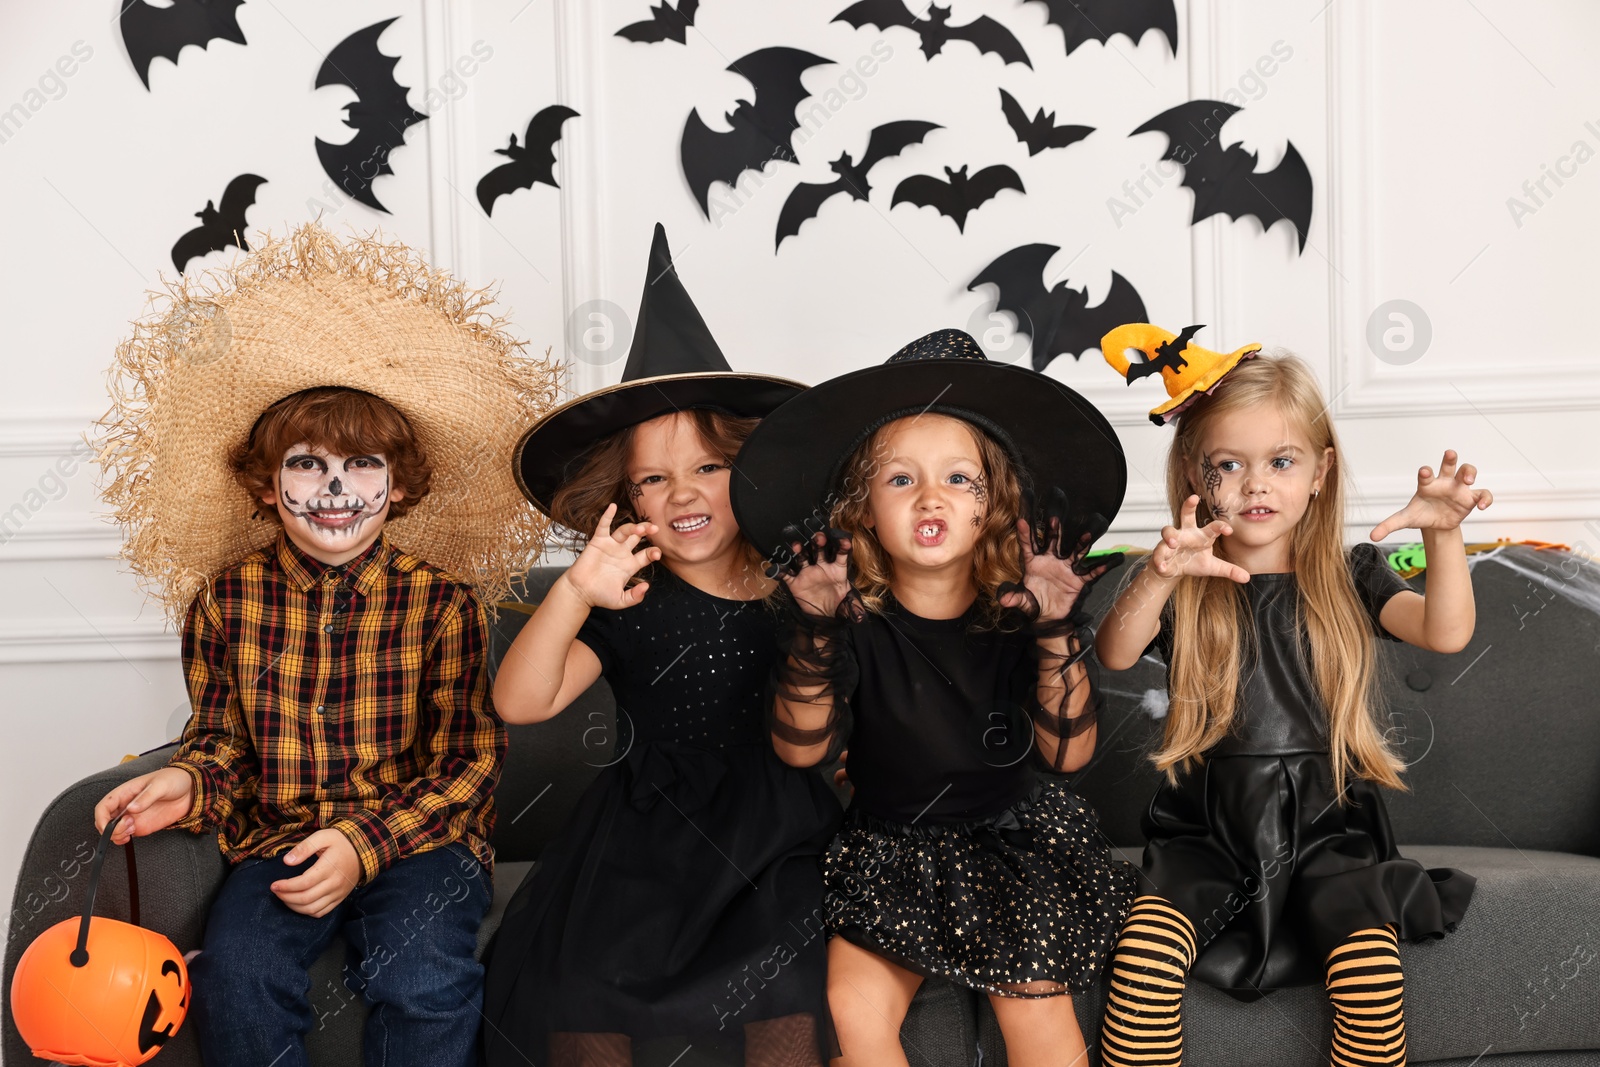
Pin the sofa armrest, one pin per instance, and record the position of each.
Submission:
(179, 875)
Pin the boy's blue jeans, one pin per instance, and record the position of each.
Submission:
(411, 932)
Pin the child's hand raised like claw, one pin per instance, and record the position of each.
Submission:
(601, 572)
(818, 573)
(1053, 574)
(1441, 501)
(1188, 549)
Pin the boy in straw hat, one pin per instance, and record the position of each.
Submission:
(310, 461)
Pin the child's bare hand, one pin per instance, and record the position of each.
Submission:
(819, 574)
(601, 572)
(1441, 501)
(1188, 549)
(319, 888)
(146, 804)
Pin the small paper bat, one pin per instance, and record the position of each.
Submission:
(959, 195)
(1225, 180)
(149, 32)
(983, 32)
(380, 114)
(219, 227)
(532, 161)
(887, 140)
(1082, 21)
(761, 128)
(1169, 355)
(1057, 320)
(1041, 131)
(666, 23)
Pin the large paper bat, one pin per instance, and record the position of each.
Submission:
(149, 32)
(666, 23)
(1041, 131)
(762, 128)
(1082, 21)
(379, 115)
(1169, 356)
(1225, 180)
(219, 227)
(533, 160)
(960, 194)
(1058, 320)
(983, 32)
(887, 140)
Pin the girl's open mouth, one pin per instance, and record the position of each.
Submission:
(1257, 514)
(930, 532)
(689, 525)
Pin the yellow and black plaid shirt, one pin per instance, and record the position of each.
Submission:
(353, 698)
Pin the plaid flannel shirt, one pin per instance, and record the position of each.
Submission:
(352, 698)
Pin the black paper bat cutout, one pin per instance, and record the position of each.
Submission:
(761, 128)
(219, 227)
(983, 32)
(1041, 131)
(532, 161)
(1082, 21)
(666, 23)
(887, 140)
(1169, 354)
(379, 115)
(1058, 320)
(960, 194)
(1225, 180)
(149, 32)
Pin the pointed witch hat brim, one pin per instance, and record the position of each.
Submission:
(1193, 371)
(674, 364)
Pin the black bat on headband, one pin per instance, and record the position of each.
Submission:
(983, 32)
(1169, 355)
(666, 23)
(149, 32)
(532, 161)
(1082, 21)
(1057, 320)
(960, 194)
(1041, 131)
(887, 140)
(379, 115)
(219, 227)
(1225, 180)
(762, 128)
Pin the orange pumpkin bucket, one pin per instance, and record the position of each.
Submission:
(99, 991)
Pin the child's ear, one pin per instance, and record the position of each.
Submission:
(396, 495)
(1324, 465)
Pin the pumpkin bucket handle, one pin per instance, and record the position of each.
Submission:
(80, 954)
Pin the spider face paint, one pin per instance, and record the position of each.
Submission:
(1213, 483)
(980, 492)
(333, 502)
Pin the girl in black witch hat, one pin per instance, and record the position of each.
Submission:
(682, 903)
(950, 656)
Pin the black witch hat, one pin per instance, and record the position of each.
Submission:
(673, 364)
(792, 464)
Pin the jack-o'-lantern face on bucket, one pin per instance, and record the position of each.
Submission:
(118, 1008)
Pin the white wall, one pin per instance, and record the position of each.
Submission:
(1418, 121)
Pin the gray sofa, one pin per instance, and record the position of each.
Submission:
(1504, 739)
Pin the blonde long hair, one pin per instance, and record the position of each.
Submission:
(1211, 617)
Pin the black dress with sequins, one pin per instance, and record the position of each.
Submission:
(683, 900)
(958, 859)
(1254, 846)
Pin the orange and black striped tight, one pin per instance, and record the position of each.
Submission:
(1143, 1024)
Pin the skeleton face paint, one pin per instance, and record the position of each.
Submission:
(335, 502)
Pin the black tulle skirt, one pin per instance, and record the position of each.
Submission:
(1032, 896)
(1275, 873)
(683, 901)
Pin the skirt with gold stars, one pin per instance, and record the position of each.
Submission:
(1026, 904)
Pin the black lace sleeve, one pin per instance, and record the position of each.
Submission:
(814, 652)
(1074, 707)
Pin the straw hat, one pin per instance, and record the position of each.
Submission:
(311, 310)
(1186, 369)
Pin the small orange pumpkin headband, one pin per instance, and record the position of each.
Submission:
(1186, 368)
